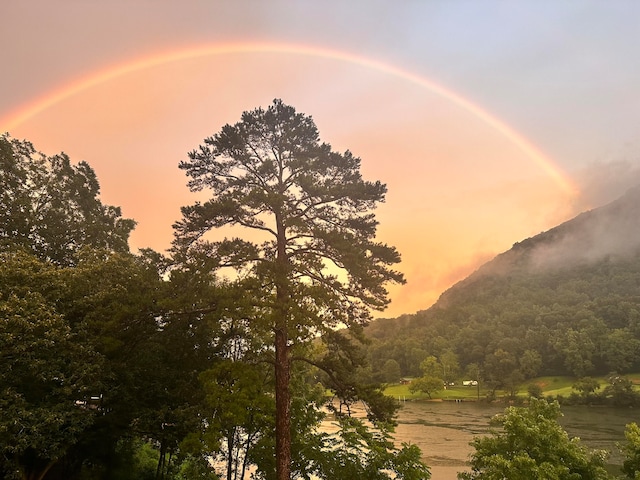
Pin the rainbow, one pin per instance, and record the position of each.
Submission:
(32, 109)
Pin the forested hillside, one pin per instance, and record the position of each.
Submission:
(566, 301)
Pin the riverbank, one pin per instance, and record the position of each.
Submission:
(549, 386)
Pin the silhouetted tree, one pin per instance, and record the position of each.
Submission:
(311, 243)
(52, 207)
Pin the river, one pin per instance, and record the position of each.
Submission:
(443, 430)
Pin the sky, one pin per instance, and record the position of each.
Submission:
(489, 121)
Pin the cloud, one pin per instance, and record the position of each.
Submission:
(603, 182)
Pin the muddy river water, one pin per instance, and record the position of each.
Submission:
(443, 430)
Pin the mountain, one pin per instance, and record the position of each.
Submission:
(566, 301)
(611, 233)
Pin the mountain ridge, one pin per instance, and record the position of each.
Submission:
(583, 239)
(563, 302)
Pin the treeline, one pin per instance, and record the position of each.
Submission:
(516, 319)
(116, 365)
(122, 366)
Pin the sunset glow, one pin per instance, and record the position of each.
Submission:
(463, 186)
(490, 155)
(488, 122)
(14, 120)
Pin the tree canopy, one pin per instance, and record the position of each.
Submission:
(45, 370)
(120, 365)
(531, 444)
(306, 234)
(52, 207)
(563, 302)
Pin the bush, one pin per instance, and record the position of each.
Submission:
(532, 444)
(535, 390)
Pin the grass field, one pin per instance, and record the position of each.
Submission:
(551, 386)
(554, 386)
(456, 392)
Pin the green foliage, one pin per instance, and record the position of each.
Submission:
(43, 374)
(534, 390)
(114, 365)
(46, 370)
(85, 364)
(430, 367)
(135, 459)
(631, 451)
(391, 371)
(532, 315)
(270, 175)
(342, 364)
(149, 371)
(426, 384)
(52, 208)
(586, 386)
(361, 451)
(431, 380)
(408, 352)
(55, 369)
(564, 302)
(307, 246)
(68, 314)
(450, 366)
(530, 363)
(501, 371)
(531, 444)
(620, 349)
(620, 391)
(578, 350)
(196, 468)
(238, 412)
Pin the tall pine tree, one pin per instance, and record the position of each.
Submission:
(307, 234)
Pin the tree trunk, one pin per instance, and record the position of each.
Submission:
(283, 406)
(161, 458)
(283, 363)
(231, 437)
(37, 474)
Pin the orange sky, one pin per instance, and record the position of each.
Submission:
(480, 116)
(460, 190)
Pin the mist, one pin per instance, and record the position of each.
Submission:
(611, 231)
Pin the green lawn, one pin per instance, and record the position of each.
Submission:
(456, 392)
(553, 386)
